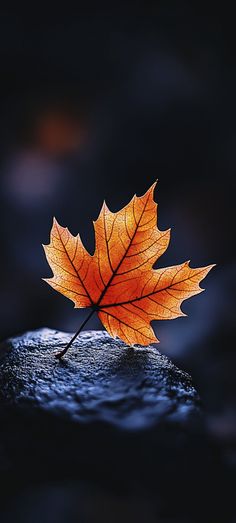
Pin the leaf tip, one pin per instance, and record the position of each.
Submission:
(153, 186)
(55, 223)
(149, 192)
(212, 266)
(208, 269)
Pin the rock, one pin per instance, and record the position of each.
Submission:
(100, 379)
(106, 412)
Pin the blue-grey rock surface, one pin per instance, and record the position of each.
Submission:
(99, 380)
(106, 414)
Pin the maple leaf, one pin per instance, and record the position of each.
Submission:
(118, 280)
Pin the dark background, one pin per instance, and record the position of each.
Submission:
(98, 105)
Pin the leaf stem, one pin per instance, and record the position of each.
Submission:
(60, 354)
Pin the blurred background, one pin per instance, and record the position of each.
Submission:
(98, 105)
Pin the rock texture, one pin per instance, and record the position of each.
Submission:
(100, 379)
(106, 413)
(107, 416)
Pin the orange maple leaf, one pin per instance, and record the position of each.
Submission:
(118, 280)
